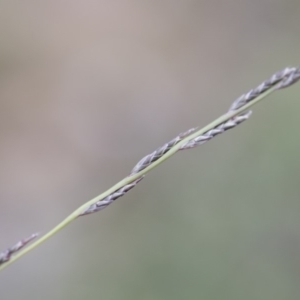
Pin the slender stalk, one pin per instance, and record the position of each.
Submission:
(239, 109)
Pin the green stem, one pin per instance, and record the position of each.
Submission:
(130, 179)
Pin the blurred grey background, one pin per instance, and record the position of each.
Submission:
(87, 88)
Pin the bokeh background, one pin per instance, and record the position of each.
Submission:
(87, 88)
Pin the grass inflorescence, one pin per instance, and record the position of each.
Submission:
(238, 112)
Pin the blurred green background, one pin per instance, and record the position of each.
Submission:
(87, 88)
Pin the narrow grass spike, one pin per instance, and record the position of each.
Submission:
(231, 123)
(7, 254)
(238, 112)
(111, 198)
